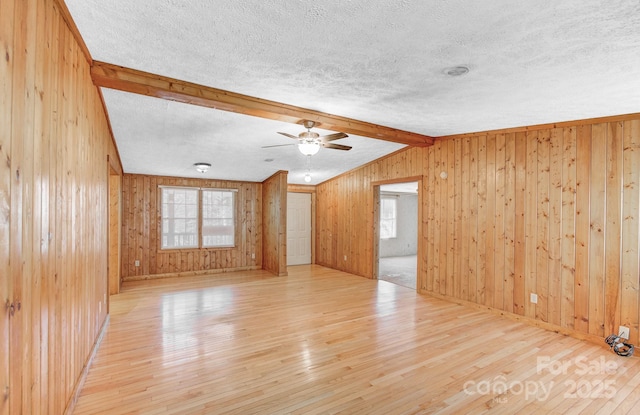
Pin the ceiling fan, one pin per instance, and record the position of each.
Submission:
(309, 142)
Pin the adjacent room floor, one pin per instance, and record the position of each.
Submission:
(322, 341)
(399, 270)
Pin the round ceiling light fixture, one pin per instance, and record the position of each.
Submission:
(308, 148)
(202, 167)
(456, 70)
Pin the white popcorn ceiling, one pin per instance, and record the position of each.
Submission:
(381, 61)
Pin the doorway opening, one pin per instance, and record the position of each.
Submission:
(397, 253)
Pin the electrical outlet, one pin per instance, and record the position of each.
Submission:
(623, 332)
(253, 256)
(345, 257)
(534, 298)
(137, 263)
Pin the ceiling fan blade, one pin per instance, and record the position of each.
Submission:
(336, 146)
(289, 135)
(278, 145)
(331, 137)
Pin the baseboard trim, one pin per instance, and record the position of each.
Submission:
(188, 273)
(523, 319)
(85, 370)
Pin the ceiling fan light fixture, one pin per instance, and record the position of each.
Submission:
(202, 167)
(309, 148)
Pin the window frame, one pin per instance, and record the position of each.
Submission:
(200, 246)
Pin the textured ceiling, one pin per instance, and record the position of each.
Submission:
(379, 61)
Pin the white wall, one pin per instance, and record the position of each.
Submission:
(406, 242)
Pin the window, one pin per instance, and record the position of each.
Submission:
(197, 218)
(217, 218)
(388, 217)
(179, 218)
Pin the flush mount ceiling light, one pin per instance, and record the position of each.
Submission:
(456, 70)
(202, 167)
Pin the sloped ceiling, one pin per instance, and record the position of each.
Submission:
(380, 61)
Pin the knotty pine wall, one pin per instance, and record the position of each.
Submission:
(551, 211)
(141, 230)
(344, 214)
(54, 144)
(274, 206)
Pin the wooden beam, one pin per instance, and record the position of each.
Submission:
(144, 83)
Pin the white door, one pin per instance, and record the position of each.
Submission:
(298, 228)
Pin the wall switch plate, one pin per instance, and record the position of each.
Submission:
(137, 263)
(623, 332)
(345, 257)
(534, 298)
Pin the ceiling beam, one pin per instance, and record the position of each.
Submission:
(138, 82)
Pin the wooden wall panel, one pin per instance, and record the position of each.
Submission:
(115, 221)
(6, 171)
(548, 210)
(54, 142)
(274, 208)
(345, 211)
(141, 230)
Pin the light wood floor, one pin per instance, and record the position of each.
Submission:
(321, 341)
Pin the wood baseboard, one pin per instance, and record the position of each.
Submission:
(188, 273)
(516, 317)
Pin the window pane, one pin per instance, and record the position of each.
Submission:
(387, 218)
(179, 218)
(218, 218)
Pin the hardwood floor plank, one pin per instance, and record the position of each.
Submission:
(323, 341)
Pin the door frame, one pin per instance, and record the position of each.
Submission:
(376, 227)
(114, 223)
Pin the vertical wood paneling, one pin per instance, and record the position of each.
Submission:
(483, 220)
(429, 221)
(274, 207)
(499, 237)
(581, 281)
(551, 211)
(597, 228)
(490, 223)
(520, 228)
(613, 230)
(141, 230)
(457, 220)
(451, 220)
(542, 225)
(473, 223)
(345, 211)
(465, 233)
(630, 283)
(6, 171)
(54, 144)
(554, 299)
(509, 222)
(439, 224)
(568, 260)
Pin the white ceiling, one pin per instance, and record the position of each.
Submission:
(380, 61)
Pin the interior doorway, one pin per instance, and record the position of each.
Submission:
(397, 245)
(299, 229)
